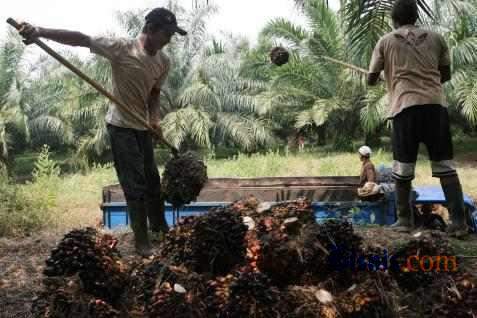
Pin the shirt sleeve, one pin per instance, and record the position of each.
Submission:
(444, 58)
(107, 47)
(377, 59)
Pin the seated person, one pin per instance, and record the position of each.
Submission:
(368, 172)
(367, 181)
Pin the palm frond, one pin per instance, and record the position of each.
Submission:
(131, 21)
(96, 145)
(260, 131)
(469, 107)
(317, 115)
(464, 87)
(11, 52)
(187, 122)
(4, 141)
(375, 112)
(236, 102)
(327, 35)
(234, 128)
(282, 28)
(50, 125)
(464, 53)
(200, 94)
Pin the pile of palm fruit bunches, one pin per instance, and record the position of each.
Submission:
(251, 259)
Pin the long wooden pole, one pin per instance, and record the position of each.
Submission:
(350, 66)
(95, 84)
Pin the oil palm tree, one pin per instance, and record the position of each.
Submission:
(26, 95)
(309, 91)
(218, 107)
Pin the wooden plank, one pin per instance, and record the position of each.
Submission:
(266, 189)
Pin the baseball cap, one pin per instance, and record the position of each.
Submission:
(365, 151)
(165, 19)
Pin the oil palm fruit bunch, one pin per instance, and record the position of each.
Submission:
(183, 178)
(173, 292)
(368, 298)
(417, 265)
(94, 258)
(308, 302)
(273, 240)
(247, 207)
(100, 309)
(279, 55)
(177, 247)
(64, 298)
(218, 293)
(327, 250)
(279, 254)
(213, 243)
(254, 249)
(459, 299)
(252, 295)
(300, 209)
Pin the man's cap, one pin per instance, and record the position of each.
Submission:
(365, 151)
(165, 19)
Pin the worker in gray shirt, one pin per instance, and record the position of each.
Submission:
(416, 63)
(139, 68)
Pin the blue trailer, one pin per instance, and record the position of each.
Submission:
(332, 197)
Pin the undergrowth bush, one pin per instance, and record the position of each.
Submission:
(29, 208)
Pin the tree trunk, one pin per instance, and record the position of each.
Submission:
(373, 139)
(321, 135)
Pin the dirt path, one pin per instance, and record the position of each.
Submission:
(21, 263)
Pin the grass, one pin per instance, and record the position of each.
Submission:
(332, 164)
(78, 196)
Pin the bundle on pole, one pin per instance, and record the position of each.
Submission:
(183, 178)
(279, 55)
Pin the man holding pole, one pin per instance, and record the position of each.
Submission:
(139, 68)
(416, 63)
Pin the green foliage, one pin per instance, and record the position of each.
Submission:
(375, 112)
(20, 213)
(309, 94)
(42, 193)
(45, 168)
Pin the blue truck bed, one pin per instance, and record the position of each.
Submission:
(332, 197)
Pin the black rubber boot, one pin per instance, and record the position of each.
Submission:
(403, 203)
(138, 215)
(455, 203)
(156, 214)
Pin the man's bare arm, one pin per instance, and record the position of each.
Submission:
(445, 73)
(154, 108)
(373, 79)
(72, 38)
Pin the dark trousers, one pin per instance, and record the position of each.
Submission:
(427, 124)
(134, 163)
